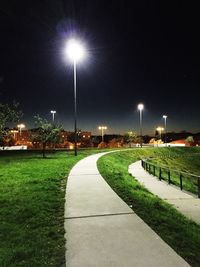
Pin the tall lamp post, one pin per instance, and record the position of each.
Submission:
(53, 112)
(14, 133)
(160, 129)
(102, 128)
(140, 108)
(20, 126)
(165, 120)
(75, 52)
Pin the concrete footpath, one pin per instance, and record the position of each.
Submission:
(186, 203)
(101, 230)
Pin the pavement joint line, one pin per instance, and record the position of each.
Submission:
(100, 215)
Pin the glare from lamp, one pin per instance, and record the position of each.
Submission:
(75, 50)
(140, 106)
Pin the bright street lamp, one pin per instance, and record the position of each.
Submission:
(102, 128)
(165, 120)
(160, 129)
(14, 133)
(75, 52)
(53, 112)
(20, 126)
(140, 108)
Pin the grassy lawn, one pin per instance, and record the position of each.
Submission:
(180, 233)
(32, 193)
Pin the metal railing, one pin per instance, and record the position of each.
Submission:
(187, 181)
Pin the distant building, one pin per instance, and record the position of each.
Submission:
(22, 138)
(26, 137)
(180, 142)
(68, 138)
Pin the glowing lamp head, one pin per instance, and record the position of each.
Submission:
(160, 129)
(74, 50)
(102, 127)
(21, 126)
(140, 106)
(164, 116)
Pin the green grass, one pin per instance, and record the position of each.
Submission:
(180, 233)
(32, 193)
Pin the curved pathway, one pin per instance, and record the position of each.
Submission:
(186, 203)
(102, 231)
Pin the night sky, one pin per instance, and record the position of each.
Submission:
(137, 51)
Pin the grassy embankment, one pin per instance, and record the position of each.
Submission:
(180, 233)
(175, 161)
(32, 193)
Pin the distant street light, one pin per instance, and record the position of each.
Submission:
(102, 128)
(165, 120)
(140, 108)
(14, 133)
(160, 129)
(20, 126)
(53, 112)
(75, 52)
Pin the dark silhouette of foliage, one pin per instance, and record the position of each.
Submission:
(47, 133)
(8, 114)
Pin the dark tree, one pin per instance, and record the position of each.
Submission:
(190, 140)
(8, 114)
(130, 137)
(95, 140)
(47, 133)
